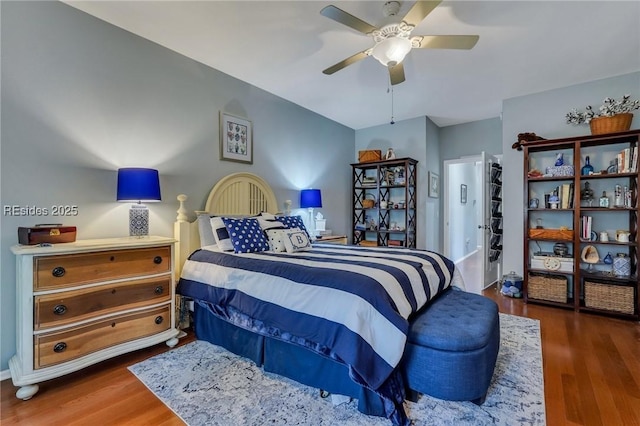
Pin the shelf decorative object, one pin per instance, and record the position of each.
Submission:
(617, 123)
(612, 116)
(587, 169)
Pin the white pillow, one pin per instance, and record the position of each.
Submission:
(276, 240)
(211, 248)
(270, 224)
(205, 230)
(296, 240)
(221, 234)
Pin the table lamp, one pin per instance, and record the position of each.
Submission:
(310, 199)
(139, 185)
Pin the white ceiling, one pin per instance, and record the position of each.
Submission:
(283, 46)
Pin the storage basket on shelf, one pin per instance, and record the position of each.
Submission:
(369, 201)
(547, 287)
(610, 297)
(551, 234)
(617, 123)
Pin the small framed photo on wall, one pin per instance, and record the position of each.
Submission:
(236, 138)
(434, 185)
(463, 193)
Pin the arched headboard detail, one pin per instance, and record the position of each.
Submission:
(236, 194)
(241, 194)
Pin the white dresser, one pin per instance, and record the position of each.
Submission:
(83, 302)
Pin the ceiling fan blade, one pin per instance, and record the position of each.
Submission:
(342, 64)
(347, 19)
(445, 41)
(396, 74)
(419, 11)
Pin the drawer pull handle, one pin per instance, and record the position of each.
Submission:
(112, 258)
(159, 290)
(157, 260)
(159, 319)
(60, 309)
(60, 347)
(58, 271)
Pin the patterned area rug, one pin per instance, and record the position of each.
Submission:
(207, 385)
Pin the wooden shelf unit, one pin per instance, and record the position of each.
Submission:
(601, 149)
(394, 182)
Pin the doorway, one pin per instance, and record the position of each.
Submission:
(469, 230)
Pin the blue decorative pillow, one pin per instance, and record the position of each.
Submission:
(291, 222)
(246, 235)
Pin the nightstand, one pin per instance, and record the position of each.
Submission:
(83, 302)
(333, 239)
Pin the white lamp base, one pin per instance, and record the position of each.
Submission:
(312, 226)
(138, 220)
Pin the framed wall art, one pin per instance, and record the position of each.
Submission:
(434, 185)
(236, 138)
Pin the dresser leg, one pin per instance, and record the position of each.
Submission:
(26, 392)
(172, 342)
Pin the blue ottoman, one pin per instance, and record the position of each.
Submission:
(452, 348)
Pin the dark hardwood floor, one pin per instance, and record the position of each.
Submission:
(591, 377)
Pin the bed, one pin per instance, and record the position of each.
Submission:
(328, 316)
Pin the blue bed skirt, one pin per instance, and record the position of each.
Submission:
(286, 359)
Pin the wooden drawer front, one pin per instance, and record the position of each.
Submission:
(71, 306)
(54, 348)
(74, 269)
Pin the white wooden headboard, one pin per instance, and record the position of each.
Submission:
(236, 194)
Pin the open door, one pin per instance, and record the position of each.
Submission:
(471, 227)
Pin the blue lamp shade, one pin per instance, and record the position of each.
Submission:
(136, 184)
(310, 198)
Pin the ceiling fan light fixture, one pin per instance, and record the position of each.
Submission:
(392, 50)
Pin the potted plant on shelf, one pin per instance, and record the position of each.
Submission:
(612, 116)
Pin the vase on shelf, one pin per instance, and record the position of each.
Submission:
(587, 169)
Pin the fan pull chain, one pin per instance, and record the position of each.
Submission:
(392, 120)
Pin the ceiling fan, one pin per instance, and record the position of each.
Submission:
(394, 41)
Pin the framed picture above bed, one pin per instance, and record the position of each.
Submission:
(236, 138)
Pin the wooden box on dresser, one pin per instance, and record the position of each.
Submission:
(83, 302)
(587, 278)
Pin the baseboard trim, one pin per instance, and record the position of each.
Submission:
(5, 374)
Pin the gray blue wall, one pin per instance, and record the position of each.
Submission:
(416, 138)
(81, 98)
(474, 137)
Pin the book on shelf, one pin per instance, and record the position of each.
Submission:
(586, 222)
(564, 198)
(627, 160)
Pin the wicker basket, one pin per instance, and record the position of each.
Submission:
(369, 203)
(609, 297)
(547, 287)
(551, 234)
(617, 123)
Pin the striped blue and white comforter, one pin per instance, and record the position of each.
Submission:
(354, 300)
(353, 303)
